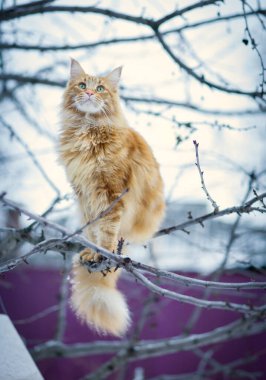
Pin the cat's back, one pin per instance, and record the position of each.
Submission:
(140, 153)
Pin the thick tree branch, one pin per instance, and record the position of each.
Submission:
(36, 80)
(12, 13)
(155, 348)
(201, 78)
(241, 327)
(42, 7)
(126, 40)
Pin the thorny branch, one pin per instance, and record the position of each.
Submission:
(232, 238)
(65, 234)
(118, 260)
(245, 208)
(61, 244)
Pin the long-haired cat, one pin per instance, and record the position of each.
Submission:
(103, 156)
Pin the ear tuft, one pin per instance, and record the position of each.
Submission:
(75, 69)
(114, 76)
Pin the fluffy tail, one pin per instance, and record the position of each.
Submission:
(96, 300)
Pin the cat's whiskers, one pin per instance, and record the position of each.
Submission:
(102, 109)
(108, 112)
(107, 109)
(109, 120)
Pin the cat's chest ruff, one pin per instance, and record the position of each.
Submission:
(97, 161)
(89, 172)
(92, 156)
(99, 164)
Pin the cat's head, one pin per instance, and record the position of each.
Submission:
(90, 94)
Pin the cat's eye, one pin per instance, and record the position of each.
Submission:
(100, 88)
(82, 85)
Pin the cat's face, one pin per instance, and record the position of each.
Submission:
(92, 95)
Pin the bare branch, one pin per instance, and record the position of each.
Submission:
(60, 244)
(43, 246)
(244, 209)
(62, 302)
(214, 204)
(201, 78)
(37, 316)
(176, 344)
(127, 264)
(34, 80)
(255, 47)
(117, 259)
(55, 348)
(12, 13)
(242, 308)
(31, 155)
(189, 8)
(152, 348)
(126, 40)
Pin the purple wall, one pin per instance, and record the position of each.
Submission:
(27, 291)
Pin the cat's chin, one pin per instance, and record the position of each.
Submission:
(88, 107)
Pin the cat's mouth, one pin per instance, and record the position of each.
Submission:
(87, 100)
(88, 105)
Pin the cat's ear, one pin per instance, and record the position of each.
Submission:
(114, 76)
(75, 69)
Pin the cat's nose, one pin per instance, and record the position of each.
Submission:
(89, 92)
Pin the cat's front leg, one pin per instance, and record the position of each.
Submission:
(105, 233)
(88, 254)
(108, 229)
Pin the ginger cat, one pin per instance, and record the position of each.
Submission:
(103, 156)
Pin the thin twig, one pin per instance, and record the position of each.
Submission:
(255, 47)
(31, 155)
(242, 308)
(246, 208)
(37, 316)
(210, 199)
(62, 302)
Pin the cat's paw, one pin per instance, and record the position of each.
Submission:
(88, 256)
